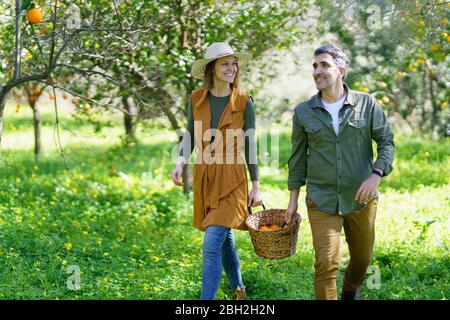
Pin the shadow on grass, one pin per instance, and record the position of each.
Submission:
(417, 162)
(96, 160)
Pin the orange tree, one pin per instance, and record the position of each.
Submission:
(157, 62)
(141, 48)
(30, 94)
(252, 26)
(399, 53)
(100, 70)
(154, 66)
(41, 40)
(30, 48)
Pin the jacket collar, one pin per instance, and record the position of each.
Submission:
(350, 99)
(231, 107)
(227, 117)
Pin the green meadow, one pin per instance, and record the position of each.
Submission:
(99, 220)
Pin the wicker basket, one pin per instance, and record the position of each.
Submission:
(276, 244)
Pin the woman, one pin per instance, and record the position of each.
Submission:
(218, 116)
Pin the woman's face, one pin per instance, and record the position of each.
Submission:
(225, 69)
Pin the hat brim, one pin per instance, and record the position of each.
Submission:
(199, 66)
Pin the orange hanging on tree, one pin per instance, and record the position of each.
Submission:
(35, 15)
(32, 99)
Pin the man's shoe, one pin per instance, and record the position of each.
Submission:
(350, 295)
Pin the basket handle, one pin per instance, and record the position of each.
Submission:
(250, 208)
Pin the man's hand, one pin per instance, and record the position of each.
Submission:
(368, 189)
(292, 207)
(291, 213)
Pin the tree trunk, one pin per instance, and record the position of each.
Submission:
(18, 43)
(435, 107)
(165, 107)
(131, 109)
(186, 176)
(2, 107)
(425, 100)
(37, 131)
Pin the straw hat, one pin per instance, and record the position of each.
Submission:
(215, 51)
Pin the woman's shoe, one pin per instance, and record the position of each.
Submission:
(239, 294)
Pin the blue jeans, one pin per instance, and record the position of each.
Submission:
(219, 250)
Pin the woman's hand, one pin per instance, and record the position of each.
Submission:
(178, 171)
(255, 199)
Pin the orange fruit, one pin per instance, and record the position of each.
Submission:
(274, 227)
(264, 228)
(36, 91)
(32, 99)
(35, 15)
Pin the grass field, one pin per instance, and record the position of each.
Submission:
(112, 214)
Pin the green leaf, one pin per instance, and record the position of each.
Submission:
(25, 5)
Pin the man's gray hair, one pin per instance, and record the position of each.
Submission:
(338, 55)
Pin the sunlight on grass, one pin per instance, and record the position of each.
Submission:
(114, 213)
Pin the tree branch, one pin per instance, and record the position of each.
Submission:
(17, 46)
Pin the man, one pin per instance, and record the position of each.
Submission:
(332, 154)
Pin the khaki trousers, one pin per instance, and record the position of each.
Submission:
(359, 229)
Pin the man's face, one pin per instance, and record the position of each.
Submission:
(326, 71)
